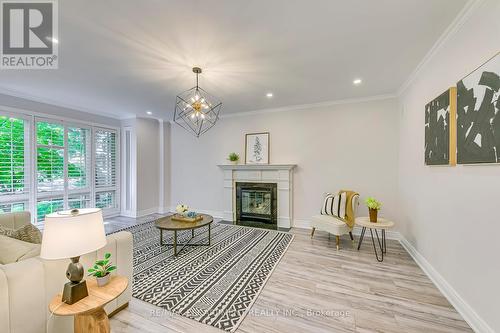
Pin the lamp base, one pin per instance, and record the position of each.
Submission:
(74, 291)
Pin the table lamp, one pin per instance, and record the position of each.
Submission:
(70, 234)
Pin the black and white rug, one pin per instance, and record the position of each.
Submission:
(215, 285)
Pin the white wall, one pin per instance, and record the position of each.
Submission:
(450, 214)
(341, 146)
(148, 163)
(167, 146)
(149, 193)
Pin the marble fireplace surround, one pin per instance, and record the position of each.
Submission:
(281, 174)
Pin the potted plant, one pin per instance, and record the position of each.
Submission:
(101, 270)
(233, 158)
(373, 208)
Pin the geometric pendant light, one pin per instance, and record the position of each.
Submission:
(195, 109)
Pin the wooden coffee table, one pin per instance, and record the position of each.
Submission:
(166, 223)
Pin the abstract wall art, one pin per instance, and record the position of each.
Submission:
(440, 129)
(478, 115)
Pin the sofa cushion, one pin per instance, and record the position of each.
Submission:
(13, 250)
(15, 220)
(330, 224)
(27, 233)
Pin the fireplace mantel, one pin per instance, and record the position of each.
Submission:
(281, 174)
(257, 166)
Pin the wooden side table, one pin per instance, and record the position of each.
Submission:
(381, 224)
(89, 312)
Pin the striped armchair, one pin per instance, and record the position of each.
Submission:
(332, 217)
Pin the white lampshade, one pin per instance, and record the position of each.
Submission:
(68, 235)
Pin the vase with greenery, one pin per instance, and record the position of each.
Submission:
(182, 209)
(373, 208)
(233, 158)
(101, 270)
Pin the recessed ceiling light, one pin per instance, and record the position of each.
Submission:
(149, 112)
(269, 95)
(357, 82)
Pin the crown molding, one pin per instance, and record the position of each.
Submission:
(38, 99)
(310, 106)
(450, 31)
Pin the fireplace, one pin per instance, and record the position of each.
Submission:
(256, 205)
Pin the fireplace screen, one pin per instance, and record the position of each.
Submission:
(256, 202)
(256, 205)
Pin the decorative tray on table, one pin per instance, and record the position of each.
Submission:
(181, 218)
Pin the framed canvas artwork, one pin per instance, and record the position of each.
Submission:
(478, 115)
(440, 129)
(257, 148)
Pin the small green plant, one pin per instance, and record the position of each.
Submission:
(372, 203)
(233, 157)
(102, 267)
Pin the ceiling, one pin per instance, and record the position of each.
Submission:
(124, 57)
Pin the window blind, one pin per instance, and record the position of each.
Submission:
(78, 158)
(105, 158)
(50, 156)
(13, 177)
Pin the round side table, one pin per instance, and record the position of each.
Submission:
(381, 224)
(89, 313)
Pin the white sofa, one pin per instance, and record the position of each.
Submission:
(28, 285)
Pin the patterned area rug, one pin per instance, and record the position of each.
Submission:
(215, 285)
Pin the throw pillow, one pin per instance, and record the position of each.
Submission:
(335, 205)
(28, 233)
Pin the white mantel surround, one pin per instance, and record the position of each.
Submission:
(281, 174)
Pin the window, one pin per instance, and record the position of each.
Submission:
(50, 157)
(60, 172)
(78, 158)
(47, 206)
(79, 201)
(14, 164)
(12, 173)
(13, 207)
(105, 169)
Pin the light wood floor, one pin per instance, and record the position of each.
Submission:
(317, 289)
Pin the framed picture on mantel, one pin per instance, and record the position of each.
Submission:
(257, 148)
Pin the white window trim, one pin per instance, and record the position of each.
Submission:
(31, 148)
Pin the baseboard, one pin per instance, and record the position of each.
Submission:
(465, 310)
(148, 211)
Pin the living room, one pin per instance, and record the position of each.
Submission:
(308, 166)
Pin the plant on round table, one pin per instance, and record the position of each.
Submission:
(373, 208)
(101, 270)
(233, 157)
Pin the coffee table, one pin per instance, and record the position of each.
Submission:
(166, 223)
(381, 224)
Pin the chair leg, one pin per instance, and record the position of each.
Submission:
(312, 232)
(337, 241)
(350, 235)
